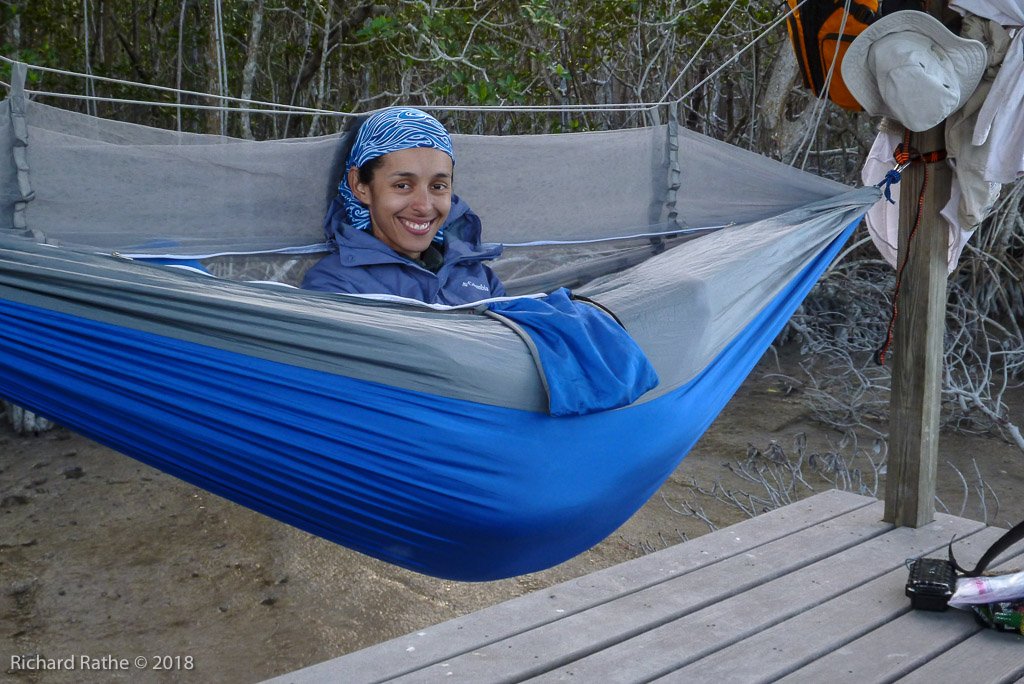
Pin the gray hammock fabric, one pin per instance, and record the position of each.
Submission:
(120, 183)
(72, 180)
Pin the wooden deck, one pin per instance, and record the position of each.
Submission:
(811, 592)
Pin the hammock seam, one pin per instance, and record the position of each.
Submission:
(675, 172)
(20, 147)
(534, 352)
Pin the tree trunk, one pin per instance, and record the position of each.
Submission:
(24, 422)
(321, 82)
(101, 34)
(693, 117)
(785, 113)
(12, 32)
(249, 71)
(213, 73)
(156, 39)
(299, 78)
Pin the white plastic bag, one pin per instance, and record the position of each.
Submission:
(974, 590)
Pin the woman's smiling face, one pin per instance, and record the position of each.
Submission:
(409, 197)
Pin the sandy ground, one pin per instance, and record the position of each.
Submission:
(101, 556)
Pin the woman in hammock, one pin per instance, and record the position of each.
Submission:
(396, 227)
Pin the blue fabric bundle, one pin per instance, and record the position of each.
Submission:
(589, 361)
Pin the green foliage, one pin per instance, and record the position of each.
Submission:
(538, 13)
(486, 52)
(379, 28)
(44, 56)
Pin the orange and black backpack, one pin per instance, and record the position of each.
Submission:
(814, 29)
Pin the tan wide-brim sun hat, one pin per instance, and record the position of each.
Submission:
(910, 67)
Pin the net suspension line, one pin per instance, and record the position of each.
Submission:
(743, 50)
(697, 52)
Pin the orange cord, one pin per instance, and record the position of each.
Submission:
(904, 154)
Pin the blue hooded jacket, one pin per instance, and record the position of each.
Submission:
(362, 264)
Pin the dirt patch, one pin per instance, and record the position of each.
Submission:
(102, 556)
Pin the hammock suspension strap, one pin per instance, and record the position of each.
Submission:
(905, 155)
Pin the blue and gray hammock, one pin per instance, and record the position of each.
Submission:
(471, 443)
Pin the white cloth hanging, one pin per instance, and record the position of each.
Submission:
(971, 159)
(883, 218)
(1000, 122)
(1001, 119)
(1004, 12)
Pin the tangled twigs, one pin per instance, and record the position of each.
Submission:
(845, 315)
(780, 478)
(689, 510)
(23, 421)
(983, 489)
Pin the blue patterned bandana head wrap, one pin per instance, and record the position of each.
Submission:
(390, 130)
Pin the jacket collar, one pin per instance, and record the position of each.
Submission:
(461, 239)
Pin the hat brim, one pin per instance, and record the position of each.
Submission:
(968, 56)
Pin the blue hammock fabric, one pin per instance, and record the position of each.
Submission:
(589, 362)
(442, 486)
(419, 435)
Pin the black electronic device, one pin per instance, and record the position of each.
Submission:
(931, 583)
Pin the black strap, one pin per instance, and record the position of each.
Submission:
(887, 7)
(862, 13)
(1014, 535)
(597, 305)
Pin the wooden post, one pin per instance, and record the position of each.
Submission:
(917, 346)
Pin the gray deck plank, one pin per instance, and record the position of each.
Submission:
(438, 643)
(913, 642)
(988, 655)
(602, 627)
(778, 651)
(662, 650)
(892, 650)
